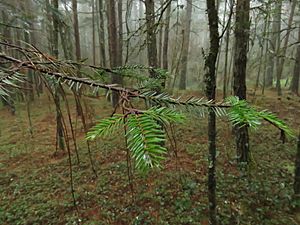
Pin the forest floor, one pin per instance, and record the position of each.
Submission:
(35, 184)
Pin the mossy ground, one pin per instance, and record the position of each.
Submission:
(35, 184)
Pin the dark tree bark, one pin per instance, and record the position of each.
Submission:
(114, 50)
(76, 30)
(186, 43)
(296, 73)
(151, 36)
(166, 38)
(297, 170)
(55, 36)
(242, 29)
(210, 80)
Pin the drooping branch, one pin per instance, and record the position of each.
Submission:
(67, 77)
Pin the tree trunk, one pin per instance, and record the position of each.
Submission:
(100, 25)
(160, 39)
(266, 56)
(296, 73)
(242, 29)
(226, 71)
(276, 24)
(93, 32)
(55, 20)
(49, 26)
(283, 51)
(120, 20)
(165, 62)
(210, 80)
(297, 169)
(55, 36)
(76, 30)
(114, 50)
(262, 49)
(151, 36)
(166, 38)
(186, 43)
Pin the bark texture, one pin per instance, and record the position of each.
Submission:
(242, 29)
(186, 43)
(210, 80)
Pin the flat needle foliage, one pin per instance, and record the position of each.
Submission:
(144, 132)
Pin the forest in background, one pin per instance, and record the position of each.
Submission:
(74, 74)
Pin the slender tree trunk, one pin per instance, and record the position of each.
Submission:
(76, 30)
(100, 25)
(142, 54)
(266, 49)
(129, 5)
(166, 38)
(151, 36)
(210, 80)
(230, 70)
(186, 41)
(120, 23)
(93, 32)
(226, 71)
(114, 50)
(29, 38)
(77, 50)
(296, 73)
(7, 36)
(221, 40)
(242, 30)
(160, 40)
(273, 43)
(55, 28)
(55, 35)
(262, 46)
(166, 41)
(49, 26)
(297, 170)
(284, 49)
(65, 37)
